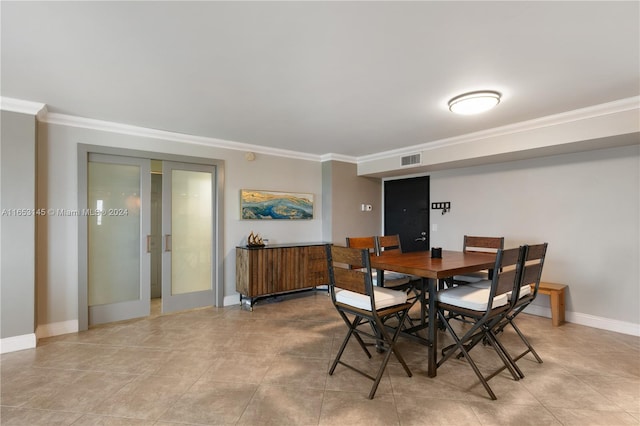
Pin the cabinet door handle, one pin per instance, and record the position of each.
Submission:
(148, 243)
(167, 242)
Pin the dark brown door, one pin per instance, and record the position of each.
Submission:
(406, 212)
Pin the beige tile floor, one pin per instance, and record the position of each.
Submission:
(269, 367)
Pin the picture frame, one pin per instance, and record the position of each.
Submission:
(275, 205)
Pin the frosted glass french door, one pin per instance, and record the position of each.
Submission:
(118, 194)
(188, 206)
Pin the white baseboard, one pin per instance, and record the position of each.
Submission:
(17, 343)
(56, 328)
(231, 300)
(589, 320)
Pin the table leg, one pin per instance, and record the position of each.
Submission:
(423, 301)
(413, 332)
(433, 329)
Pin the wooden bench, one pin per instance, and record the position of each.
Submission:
(556, 296)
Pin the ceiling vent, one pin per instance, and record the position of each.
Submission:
(410, 160)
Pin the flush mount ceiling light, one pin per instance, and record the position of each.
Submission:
(474, 102)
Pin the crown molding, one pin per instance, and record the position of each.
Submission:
(36, 109)
(338, 157)
(40, 111)
(126, 129)
(524, 126)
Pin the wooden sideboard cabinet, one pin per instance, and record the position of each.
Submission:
(282, 268)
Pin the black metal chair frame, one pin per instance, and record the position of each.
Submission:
(507, 278)
(376, 245)
(389, 243)
(358, 279)
(531, 275)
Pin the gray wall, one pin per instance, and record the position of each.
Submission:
(344, 193)
(57, 283)
(585, 205)
(17, 262)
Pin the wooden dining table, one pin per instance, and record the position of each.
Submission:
(431, 270)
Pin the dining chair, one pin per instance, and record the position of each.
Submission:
(394, 280)
(527, 292)
(389, 279)
(477, 244)
(484, 308)
(368, 243)
(358, 301)
(411, 284)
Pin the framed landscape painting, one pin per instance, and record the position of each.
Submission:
(275, 205)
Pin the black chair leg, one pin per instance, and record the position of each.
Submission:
(499, 329)
(352, 332)
(474, 336)
(390, 343)
(459, 345)
(508, 362)
(526, 342)
(488, 336)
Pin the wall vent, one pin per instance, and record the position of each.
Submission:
(410, 160)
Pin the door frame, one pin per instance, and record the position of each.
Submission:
(83, 254)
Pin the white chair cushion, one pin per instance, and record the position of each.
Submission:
(390, 275)
(524, 290)
(481, 284)
(391, 278)
(384, 297)
(471, 278)
(468, 297)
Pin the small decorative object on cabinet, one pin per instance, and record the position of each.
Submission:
(255, 240)
(282, 268)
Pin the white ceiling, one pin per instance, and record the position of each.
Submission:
(349, 78)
